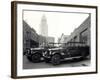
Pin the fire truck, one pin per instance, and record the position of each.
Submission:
(71, 50)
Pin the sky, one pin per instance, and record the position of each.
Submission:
(58, 22)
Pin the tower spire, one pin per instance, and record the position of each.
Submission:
(44, 26)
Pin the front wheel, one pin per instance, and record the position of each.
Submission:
(29, 58)
(36, 58)
(55, 60)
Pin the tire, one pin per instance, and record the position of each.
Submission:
(55, 60)
(36, 58)
(83, 55)
(29, 58)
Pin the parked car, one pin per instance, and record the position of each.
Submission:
(35, 54)
(71, 50)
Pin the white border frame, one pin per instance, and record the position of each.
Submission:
(35, 72)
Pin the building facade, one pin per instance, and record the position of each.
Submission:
(81, 34)
(63, 38)
(30, 37)
(50, 39)
(42, 41)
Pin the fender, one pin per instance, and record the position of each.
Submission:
(53, 53)
(36, 52)
(33, 52)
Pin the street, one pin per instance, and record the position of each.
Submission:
(68, 63)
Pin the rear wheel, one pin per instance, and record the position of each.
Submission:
(83, 56)
(36, 58)
(55, 60)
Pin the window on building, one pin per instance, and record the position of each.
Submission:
(27, 43)
(84, 36)
(75, 38)
(28, 35)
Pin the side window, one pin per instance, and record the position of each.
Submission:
(84, 36)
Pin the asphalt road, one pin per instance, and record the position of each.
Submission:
(68, 63)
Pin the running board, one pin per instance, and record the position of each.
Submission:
(72, 57)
